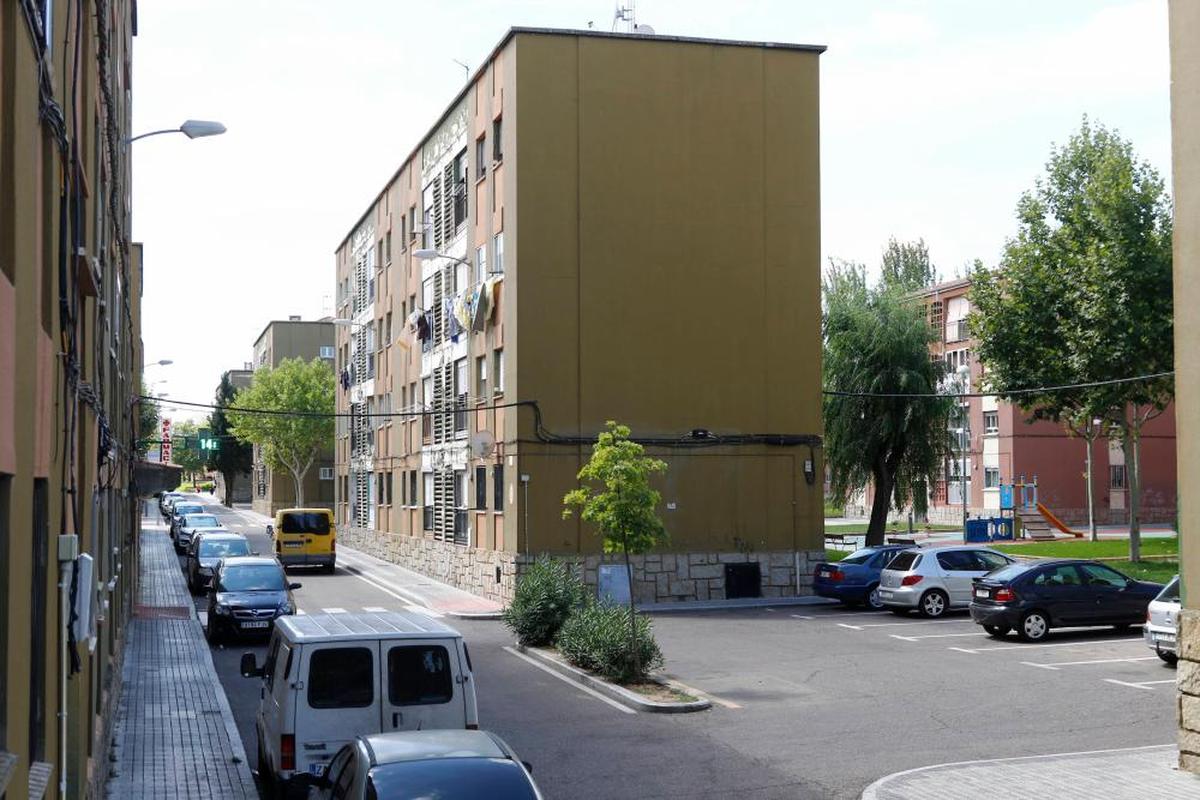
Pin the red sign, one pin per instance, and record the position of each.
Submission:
(165, 450)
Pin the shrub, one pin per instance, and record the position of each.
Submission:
(596, 638)
(546, 594)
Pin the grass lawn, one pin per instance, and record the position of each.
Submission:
(832, 510)
(836, 555)
(1076, 548)
(1157, 571)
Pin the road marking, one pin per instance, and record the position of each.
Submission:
(935, 636)
(333, 610)
(851, 627)
(975, 650)
(571, 683)
(300, 612)
(429, 612)
(768, 608)
(1057, 664)
(387, 591)
(841, 615)
(800, 616)
(1139, 685)
(920, 622)
(375, 609)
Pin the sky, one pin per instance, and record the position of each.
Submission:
(935, 116)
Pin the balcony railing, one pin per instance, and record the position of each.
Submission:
(957, 331)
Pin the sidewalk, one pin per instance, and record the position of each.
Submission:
(174, 735)
(1131, 774)
(401, 582)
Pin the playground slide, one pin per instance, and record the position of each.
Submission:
(1055, 521)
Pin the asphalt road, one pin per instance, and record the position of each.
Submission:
(811, 702)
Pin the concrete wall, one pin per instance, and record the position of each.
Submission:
(1185, 146)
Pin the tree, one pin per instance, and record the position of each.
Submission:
(147, 429)
(1084, 294)
(232, 456)
(185, 448)
(624, 508)
(876, 341)
(302, 394)
(906, 265)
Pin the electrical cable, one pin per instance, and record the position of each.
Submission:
(1008, 393)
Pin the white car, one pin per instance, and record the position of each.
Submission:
(1162, 617)
(936, 579)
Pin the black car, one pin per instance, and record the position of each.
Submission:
(1032, 597)
(206, 550)
(246, 596)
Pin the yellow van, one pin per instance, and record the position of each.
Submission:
(304, 537)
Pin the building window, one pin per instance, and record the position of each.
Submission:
(426, 405)
(991, 477)
(498, 371)
(327, 351)
(460, 189)
(991, 422)
(934, 312)
(37, 604)
(325, 473)
(498, 252)
(481, 157)
(481, 488)
(481, 370)
(412, 222)
(412, 488)
(497, 150)
(460, 504)
(387, 248)
(387, 484)
(428, 500)
(461, 389)
(5, 507)
(481, 263)
(1116, 476)
(388, 329)
(498, 487)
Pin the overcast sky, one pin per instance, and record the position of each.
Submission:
(935, 116)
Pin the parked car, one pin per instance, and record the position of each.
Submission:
(167, 497)
(1162, 618)
(855, 579)
(935, 580)
(206, 550)
(190, 524)
(247, 594)
(1034, 596)
(178, 511)
(330, 677)
(304, 537)
(449, 765)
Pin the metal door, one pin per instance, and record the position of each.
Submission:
(423, 685)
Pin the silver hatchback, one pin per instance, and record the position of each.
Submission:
(935, 580)
(1162, 617)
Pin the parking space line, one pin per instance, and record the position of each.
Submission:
(1147, 685)
(580, 687)
(918, 622)
(973, 651)
(935, 636)
(375, 609)
(1058, 664)
(334, 610)
(841, 615)
(800, 616)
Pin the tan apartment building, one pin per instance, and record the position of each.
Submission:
(1185, 169)
(70, 368)
(599, 227)
(275, 489)
(999, 444)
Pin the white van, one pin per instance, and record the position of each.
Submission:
(331, 677)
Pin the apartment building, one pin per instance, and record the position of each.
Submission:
(70, 369)
(599, 227)
(1185, 172)
(275, 489)
(1000, 444)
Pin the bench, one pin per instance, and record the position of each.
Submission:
(901, 540)
(842, 538)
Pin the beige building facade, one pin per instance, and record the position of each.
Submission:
(600, 227)
(273, 489)
(1185, 168)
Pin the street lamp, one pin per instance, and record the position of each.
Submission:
(193, 129)
(165, 362)
(427, 253)
(964, 373)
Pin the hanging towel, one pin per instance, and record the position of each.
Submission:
(462, 309)
(423, 327)
(493, 285)
(452, 326)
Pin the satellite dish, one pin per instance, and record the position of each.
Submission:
(644, 30)
(482, 444)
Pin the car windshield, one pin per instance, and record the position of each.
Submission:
(450, 779)
(201, 521)
(304, 522)
(1008, 573)
(252, 578)
(183, 509)
(906, 560)
(219, 548)
(860, 556)
(1170, 592)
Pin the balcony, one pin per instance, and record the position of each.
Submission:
(957, 331)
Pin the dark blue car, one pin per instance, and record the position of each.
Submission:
(855, 579)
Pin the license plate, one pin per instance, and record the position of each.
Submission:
(317, 768)
(1164, 637)
(260, 624)
(981, 593)
(884, 593)
(825, 573)
(293, 544)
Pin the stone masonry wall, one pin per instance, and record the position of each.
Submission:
(1187, 680)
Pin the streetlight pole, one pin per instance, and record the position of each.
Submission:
(964, 441)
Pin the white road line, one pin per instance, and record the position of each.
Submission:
(973, 651)
(334, 610)
(841, 615)
(389, 592)
(429, 612)
(375, 609)
(935, 636)
(1057, 664)
(851, 627)
(800, 616)
(919, 622)
(586, 689)
(300, 612)
(1140, 685)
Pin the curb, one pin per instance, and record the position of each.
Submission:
(625, 697)
(474, 615)
(726, 605)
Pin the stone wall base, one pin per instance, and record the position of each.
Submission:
(1187, 682)
(657, 577)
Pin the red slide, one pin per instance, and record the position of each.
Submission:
(1056, 522)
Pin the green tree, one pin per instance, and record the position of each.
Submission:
(617, 498)
(147, 429)
(185, 448)
(286, 440)
(1084, 294)
(906, 265)
(876, 342)
(232, 456)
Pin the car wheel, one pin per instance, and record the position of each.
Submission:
(328, 569)
(998, 631)
(934, 603)
(1168, 658)
(1034, 626)
(873, 598)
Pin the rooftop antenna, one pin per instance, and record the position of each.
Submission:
(626, 12)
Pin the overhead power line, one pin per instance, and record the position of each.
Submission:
(1009, 393)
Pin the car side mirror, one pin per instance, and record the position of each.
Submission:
(249, 668)
(528, 767)
(295, 586)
